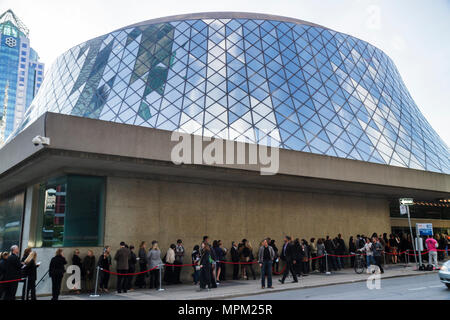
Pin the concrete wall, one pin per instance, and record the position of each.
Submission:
(138, 210)
(22, 147)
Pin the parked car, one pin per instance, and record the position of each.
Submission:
(444, 274)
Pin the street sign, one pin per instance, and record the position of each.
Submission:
(403, 209)
(424, 229)
(419, 244)
(407, 201)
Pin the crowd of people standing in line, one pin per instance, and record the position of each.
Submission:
(209, 262)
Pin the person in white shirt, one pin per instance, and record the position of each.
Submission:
(169, 268)
(368, 249)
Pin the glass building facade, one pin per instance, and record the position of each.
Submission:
(71, 212)
(247, 77)
(11, 213)
(21, 73)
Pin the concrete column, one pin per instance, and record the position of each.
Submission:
(30, 193)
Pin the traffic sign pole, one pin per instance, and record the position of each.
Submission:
(412, 237)
(406, 202)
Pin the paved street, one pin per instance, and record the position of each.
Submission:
(421, 287)
(344, 284)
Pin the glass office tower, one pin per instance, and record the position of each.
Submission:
(21, 73)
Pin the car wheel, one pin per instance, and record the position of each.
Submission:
(448, 285)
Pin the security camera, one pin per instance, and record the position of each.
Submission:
(36, 141)
(39, 140)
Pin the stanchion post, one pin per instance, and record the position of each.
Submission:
(406, 258)
(26, 288)
(95, 295)
(326, 262)
(160, 278)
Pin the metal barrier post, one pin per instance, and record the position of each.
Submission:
(326, 262)
(26, 288)
(42, 279)
(160, 277)
(95, 295)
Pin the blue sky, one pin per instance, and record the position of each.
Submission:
(414, 33)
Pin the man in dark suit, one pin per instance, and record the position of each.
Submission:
(213, 281)
(13, 267)
(342, 250)
(122, 256)
(235, 258)
(288, 256)
(329, 248)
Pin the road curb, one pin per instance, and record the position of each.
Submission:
(278, 289)
(237, 295)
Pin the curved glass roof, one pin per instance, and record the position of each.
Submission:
(247, 77)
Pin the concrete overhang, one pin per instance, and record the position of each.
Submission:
(89, 146)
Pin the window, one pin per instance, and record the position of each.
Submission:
(71, 212)
(426, 209)
(11, 212)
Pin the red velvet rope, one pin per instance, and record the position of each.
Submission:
(128, 274)
(15, 280)
(169, 265)
(250, 262)
(278, 273)
(284, 268)
(180, 265)
(247, 263)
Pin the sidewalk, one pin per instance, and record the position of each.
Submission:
(238, 288)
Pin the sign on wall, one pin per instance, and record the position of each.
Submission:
(424, 229)
(403, 209)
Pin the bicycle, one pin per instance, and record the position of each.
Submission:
(360, 263)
